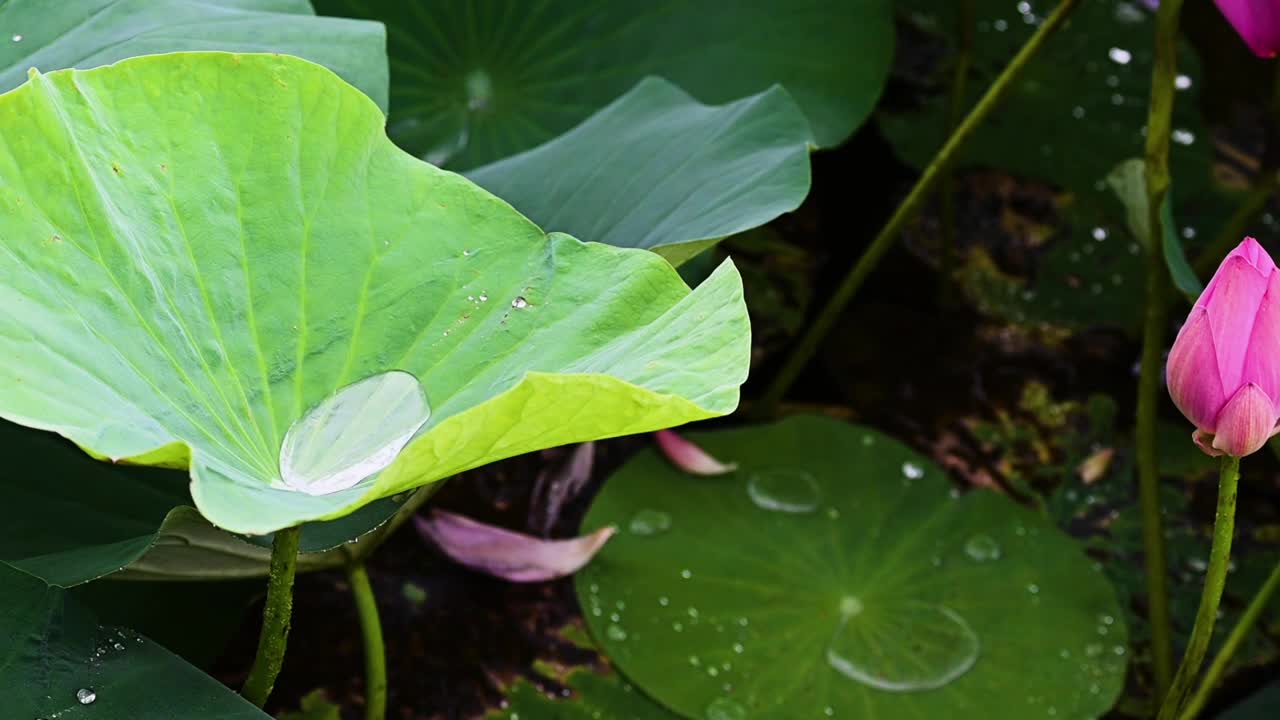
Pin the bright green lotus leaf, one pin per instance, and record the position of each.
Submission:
(836, 574)
(57, 661)
(656, 169)
(68, 519)
(474, 81)
(88, 33)
(1087, 88)
(200, 249)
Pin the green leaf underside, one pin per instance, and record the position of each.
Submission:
(69, 519)
(89, 33)
(709, 601)
(54, 656)
(201, 246)
(658, 170)
(474, 82)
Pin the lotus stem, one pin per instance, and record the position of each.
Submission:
(276, 617)
(1233, 643)
(1159, 124)
(375, 656)
(1215, 579)
(906, 211)
(949, 254)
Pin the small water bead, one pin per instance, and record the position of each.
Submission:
(1033, 588)
(1024, 7)
(1120, 56)
(712, 670)
(725, 709)
(1182, 82)
(1126, 12)
(616, 633)
(520, 303)
(16, 38)
(1099, 234)
(678, 627)
(829, 711)
(648, 522)
(686, 573)
(1077, 112)
(982, 548)
(615, 617)
(664, 601)
(912, 471)
(738, 648)
(483, 297)
(86, 696)
(695, 661)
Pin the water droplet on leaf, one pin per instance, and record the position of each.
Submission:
(982, 548)
(933, 646)
(784, 490)
(86, 696)
(353, 434)
(649, 522)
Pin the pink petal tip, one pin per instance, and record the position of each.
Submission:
(689, 457)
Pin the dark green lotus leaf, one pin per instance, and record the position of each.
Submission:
(835, 574)
(69, 519)
(656, 169)
(208, 254)
(57, 661)
(88, 33)
(474, 81)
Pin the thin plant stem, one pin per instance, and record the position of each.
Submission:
(1215, 578)
(1234, 230)
(949, 254)
(375, 656)
(906, 211)
(1233, 643)
(1256, 200)
(1159, 125)
(276, 617)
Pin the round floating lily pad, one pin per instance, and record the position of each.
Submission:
(836, 575)
(201, 248)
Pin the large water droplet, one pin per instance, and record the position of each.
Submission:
(784, 490)
(86, 696)
(353, 434)
(649, 522)
(725, 709)
(930, 646)
(982, 548)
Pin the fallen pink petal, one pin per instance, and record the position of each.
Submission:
(508, 554)
(689, 457)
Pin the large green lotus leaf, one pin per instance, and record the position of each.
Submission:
(474, 81)
(56, 661)
(656, 169)
(1079, 108)
(201, 248)
(835, 575)
(68, 519)
(89, 33)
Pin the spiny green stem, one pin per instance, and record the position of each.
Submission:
(375, 657)
(1159, 125)
(1215, 578)
(1233, 643)
(275, 618)
(821, 325)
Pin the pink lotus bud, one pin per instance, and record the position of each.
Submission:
(689, 457)
(1257, 21)
(1224, 368)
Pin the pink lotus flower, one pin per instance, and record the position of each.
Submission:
(1224, 368)
(1257, 21)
